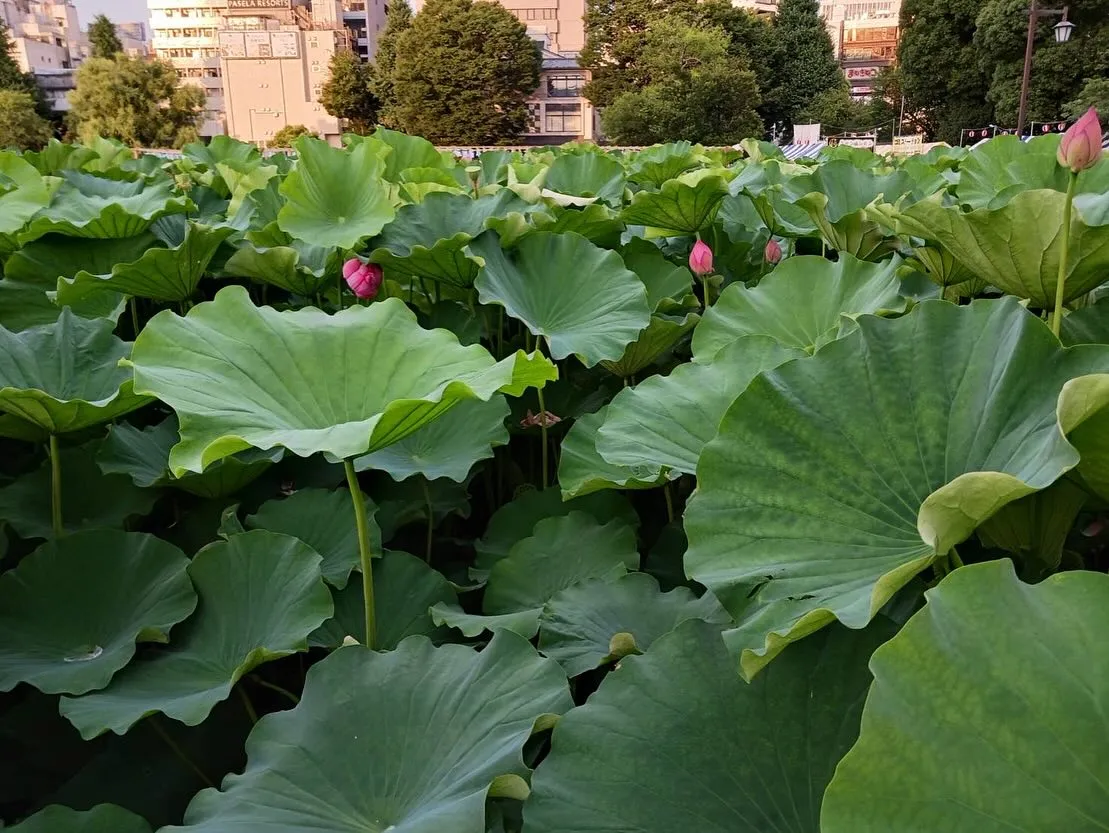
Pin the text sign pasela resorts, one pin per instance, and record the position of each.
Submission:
(258, 4)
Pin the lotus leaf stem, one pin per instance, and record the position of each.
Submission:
(178, 751)
(430, 519)
(543, 433)
(250, 712)
(55, 487)
(669, 502)
(133, 304)
(284, 692)
(364, 553)
(1061, 279)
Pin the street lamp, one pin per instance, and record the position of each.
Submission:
(1062, 31)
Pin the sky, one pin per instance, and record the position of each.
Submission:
(120, 11)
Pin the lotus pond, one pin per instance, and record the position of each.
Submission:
(539, 530)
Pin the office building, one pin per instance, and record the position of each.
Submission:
(365, 19)
(46, 35)
(864, 35)
(261, 63)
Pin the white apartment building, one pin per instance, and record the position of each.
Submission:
(261, 63)
(46, 34)
(365, 19)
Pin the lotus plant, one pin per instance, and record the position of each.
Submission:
(1079, 149)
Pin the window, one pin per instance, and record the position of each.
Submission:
(564, 118)
(565, 86)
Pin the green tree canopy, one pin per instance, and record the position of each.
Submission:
(398, 19)
(1095, 93)
(103, 38)
(463, 74)
(942, 79)
(138, 102)
(347, 94)
(288, 134)
(805, 61)
(693, 88)
(20, 126)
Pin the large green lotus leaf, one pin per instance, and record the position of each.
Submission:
(1006, 166)
(66, 376)
(324, 520)
(990, 703)
(261, 594)
(412, 501)
(665, 421)
(25, 305)
(71, 612)
(834, 480)
(87, 205)
(241, 376)
(655, 165)
(1091, 438)
(562, 551)
(143, 455)
(243, 178)
(405, 588)
(401, 152)
(426, 240)
(335, 197)
(1089, 325)
(678, 208)
(436, 728)
(804, 303)
(1017, 247)
(448, 447)
(675, 741)
(167, 275)
(582, 471)
(222, 149)
(23, 192)
(103, 818)
(659, 337)
(1036, 527)
(44, 261)
(665, 281)
(598, 622)
(579, 297)
(292, 265)
(597, 223)
(515, 520)
(586, 175)
(90, 499)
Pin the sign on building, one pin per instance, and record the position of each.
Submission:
(861, 73)
(252, 44)
(256, 5)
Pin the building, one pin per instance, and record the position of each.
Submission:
(45, 34)
(261, 63)
(364, 19)
(864, 35)
(135, 39)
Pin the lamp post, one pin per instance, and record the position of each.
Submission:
(1062, 31)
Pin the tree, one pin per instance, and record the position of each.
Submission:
(15, 79)
(20, 126)
(347, 94)
(694, 89)
(1095, 93)
(138, 102)
(836, 110)
(1059, 71)
(287, 135)
(103, 38)
(398, 20)
(805, 61)
(942, 79)
(615, 36)
(463, 74)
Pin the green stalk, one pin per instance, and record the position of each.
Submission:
(152, 722)
(669, 502)
(543, 432)
(55, 486)
(1061, 280)
(363, 552)
(134, 315)
(430, 519)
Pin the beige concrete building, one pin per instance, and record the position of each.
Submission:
(261, 63)
(864, 35)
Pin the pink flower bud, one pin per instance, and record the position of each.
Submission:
(364, 279)
(1080, 147)
(700, 259)
(773, 252)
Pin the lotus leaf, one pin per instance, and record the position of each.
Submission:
(834, 480)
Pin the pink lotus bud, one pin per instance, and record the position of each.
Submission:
(700, 259)
(1081, 145)
(364, 279)
(773, 252)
